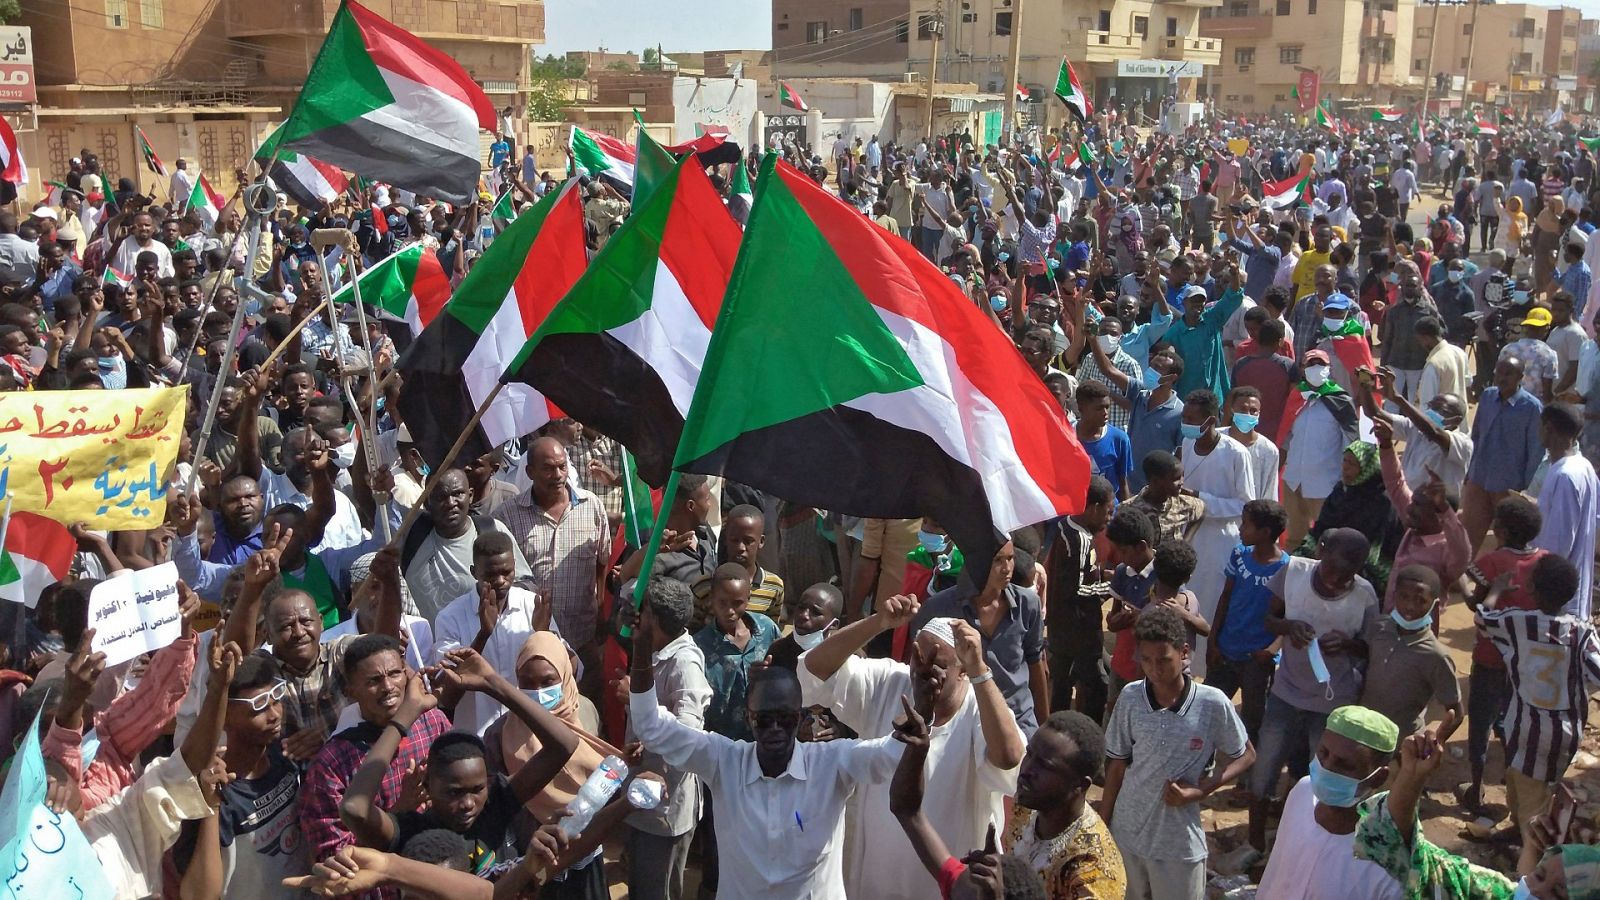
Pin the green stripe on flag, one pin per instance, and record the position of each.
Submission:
(481, 294)
(638, 513)
(768, 361)
(344, 82)
(652, 166)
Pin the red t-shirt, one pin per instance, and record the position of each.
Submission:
(1493, 564)
(948, 873)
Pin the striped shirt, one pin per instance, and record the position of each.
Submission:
(766, 598)
(1124, 363)
(1554, 664)
(564, 556)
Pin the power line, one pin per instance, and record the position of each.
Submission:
(872, 34)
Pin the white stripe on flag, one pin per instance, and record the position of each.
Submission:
(669, 337)
(519, 409)
(416, 105)
(933, 409)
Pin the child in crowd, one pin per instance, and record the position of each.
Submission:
(1516, 523)
(813, 613)
(1321, 606)
(1174, 562)
(1407, 667)
(1175, 513)
(1133, 538)
(1553, 660)
(1163, 737)
(1242, 657)
(1075, 591)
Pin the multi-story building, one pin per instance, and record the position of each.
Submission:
(205, 78)
(1525, 55)
(1359, 49)
(1124, 51)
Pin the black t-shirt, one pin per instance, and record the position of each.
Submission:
(489, 834)
(259, 827)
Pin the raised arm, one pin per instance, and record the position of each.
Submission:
(1001, 737)
(826, 658)
(200, 744)
(260, 570)
(905, 792)
(359, 811)
(465, 669)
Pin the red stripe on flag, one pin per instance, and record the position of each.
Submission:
(700, 243)
(430, 286)
(894, 276)
(403, 53)
(556, 260)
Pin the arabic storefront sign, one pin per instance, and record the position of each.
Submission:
(134, 615)
(1159, 68)
(101, 457)
(16, 65)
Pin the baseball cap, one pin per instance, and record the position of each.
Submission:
(1193, 290)
(1338, 301)
(1538, 317)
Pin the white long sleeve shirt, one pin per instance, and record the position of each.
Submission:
(779, 837)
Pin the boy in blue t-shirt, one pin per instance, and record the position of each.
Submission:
(1241, 657)
(1110, 451)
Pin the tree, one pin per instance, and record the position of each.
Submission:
(546, 98)
(650, 56)
(10, 11)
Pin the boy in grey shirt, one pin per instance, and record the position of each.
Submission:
(1163, 736)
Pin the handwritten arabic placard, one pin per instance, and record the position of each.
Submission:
(42, 853)
(101, 457)
(135, 614)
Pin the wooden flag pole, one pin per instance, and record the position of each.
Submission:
(293, 333)
(444, 464)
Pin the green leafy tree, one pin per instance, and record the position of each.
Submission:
(10, 11)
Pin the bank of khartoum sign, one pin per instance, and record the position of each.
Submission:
(16, 65)
(1159, 68)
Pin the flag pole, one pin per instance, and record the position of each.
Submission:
(370, 445)
(653, 549)
(230, 351)
(444, 464)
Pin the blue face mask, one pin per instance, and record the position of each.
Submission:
(548, 697)
(1522, 892)
(1152, 378)
(426, 470)
(933, 543)
(1333, 789)
(1003, 256)
(1434, 416)
(1246, 422)
(1192, 432)
(998, 302)
(1412, 624)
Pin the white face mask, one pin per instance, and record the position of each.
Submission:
(1107, 342)
(1332, 324)
(344, 455)
(808, 641)
(1316, 375)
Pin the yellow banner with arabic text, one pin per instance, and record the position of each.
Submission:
(102, 457)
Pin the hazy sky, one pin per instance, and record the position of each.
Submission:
(620, 25)
(697, 25)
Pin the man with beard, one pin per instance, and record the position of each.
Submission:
(238, 399)
(1403, 351)
(780, 802)
(437, 556)
(972, 758)
(237, 521)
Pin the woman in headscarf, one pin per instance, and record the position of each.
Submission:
(1359, 501)
(544, 665)
(1547, 230)
(1516, 222)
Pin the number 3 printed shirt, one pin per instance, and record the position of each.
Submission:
(1554, 664)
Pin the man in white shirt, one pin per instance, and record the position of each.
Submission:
(658, 840)
(1314, 856)
(974, 752)
(142, 239)
(495, 619)
(182, 184)
(780, 803)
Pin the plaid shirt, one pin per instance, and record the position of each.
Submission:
(329, 776)
(315, 699)
(606, 452)
(564, 555)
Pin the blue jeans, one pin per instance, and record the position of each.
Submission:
(928, 242)
(1488, 691)
(1289, 735)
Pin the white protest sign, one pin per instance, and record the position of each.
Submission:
(135, 614)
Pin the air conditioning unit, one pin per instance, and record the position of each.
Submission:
(1244, 68)
(908, 78)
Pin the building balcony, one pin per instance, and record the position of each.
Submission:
(1194, 4)
(1236, 27)
(1104, 46)
(1378, 23)
(1201, 50)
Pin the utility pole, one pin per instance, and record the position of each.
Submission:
(1008, 128)
(936, 28)
(1472, 40)
(1433, 41)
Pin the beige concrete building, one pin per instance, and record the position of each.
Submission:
(206, 78)
(1526, 56)
(1361, 49)
(1123, 50)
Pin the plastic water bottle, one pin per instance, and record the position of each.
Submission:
(602, 784)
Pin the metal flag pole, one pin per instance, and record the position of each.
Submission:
(258, 200)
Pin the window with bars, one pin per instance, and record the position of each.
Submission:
(116, 13)
(1290, 56)
(151, 13)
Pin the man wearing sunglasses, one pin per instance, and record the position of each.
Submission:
(778, 802)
